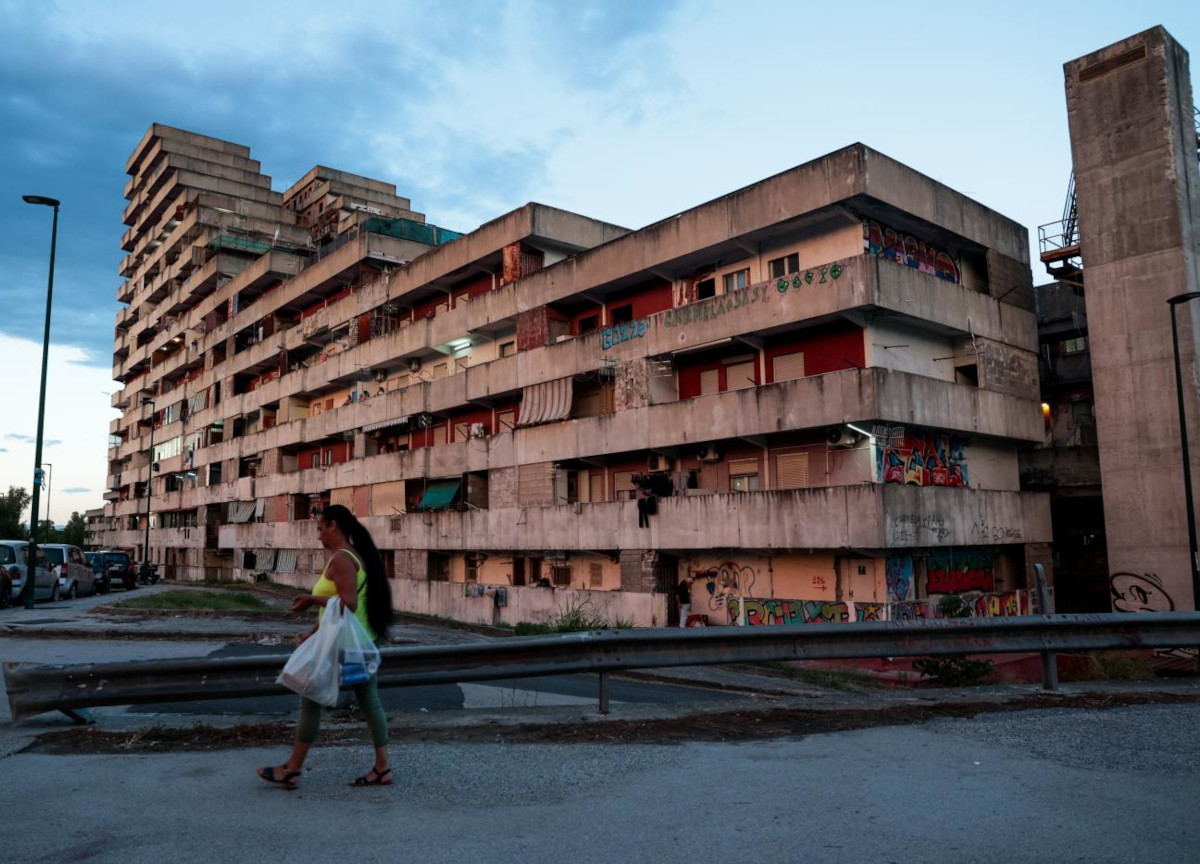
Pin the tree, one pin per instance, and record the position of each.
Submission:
(12, 506)
(75, 531)
(48, 533)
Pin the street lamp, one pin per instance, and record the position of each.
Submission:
(1187, 462)
(31, 571)
(149, 486)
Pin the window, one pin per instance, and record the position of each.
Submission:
(588, 324)
(560, 574)
(785, 266)
(622, 314)
(439, 434)
(595, 575)
(507, 349)
(439, 371)
(623, 485)
(734, 281)
(788, 367)
(1075, 346)
(743, 475)
(710, 382)
(738, 376)
(506, 421)
(791, 470)
(328, 460)
(596, 487)
(315, 462)
(472, 567)
(518, 574)
(706, 288)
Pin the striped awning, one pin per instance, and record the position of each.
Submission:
(241, 511)
(286, 561)
(546, 402)
(383, 424)
(264, 559)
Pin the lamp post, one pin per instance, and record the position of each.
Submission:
(1187, 462)
(31, 571)
(149, 486)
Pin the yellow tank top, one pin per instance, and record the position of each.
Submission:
(326, 587)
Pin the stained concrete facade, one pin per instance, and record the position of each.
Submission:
(1133, 144)
(808, 393)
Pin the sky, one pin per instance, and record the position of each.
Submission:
(623, 111)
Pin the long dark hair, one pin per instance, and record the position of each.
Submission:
(379, 594)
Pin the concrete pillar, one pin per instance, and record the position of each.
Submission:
(1134, 149)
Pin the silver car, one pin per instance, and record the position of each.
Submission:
(14, 558)
(75, 576)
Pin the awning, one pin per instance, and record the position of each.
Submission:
(241, 511)
(546, 402)
(287, 561)
(439, 494)
(264, 559)
(383, 424)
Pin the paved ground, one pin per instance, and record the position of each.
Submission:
(1095, 786)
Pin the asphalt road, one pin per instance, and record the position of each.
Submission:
(1054, 785)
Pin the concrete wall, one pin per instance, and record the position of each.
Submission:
(1134, 150)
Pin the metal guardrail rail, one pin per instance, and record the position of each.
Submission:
(37, 689)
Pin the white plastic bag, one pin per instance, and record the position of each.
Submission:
(312, 670)
(358, 658)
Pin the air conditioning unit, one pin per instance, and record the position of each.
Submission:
(656, 462)
(838, 436)
(708, 453)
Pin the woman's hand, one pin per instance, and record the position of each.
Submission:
(299, 604)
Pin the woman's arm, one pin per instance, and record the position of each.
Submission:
(343, 572)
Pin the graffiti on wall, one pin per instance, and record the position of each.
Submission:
(951, 571)
(1133, 592)
(767, 612)
(611, 336)
(725, 583)
(892, 245)
(899, 574)
(977, 605)
(922, 458)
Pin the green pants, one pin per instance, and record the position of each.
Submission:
(367, 694)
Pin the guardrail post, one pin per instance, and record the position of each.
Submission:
(1049, 658)
(603, 692)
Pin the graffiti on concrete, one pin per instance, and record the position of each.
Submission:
(715, 307)
(1133, 592)
(768, 612)
(611, 336)
(984, 532)
(899, 574)
(909, 251)
(726, 582)
(951, 571)
(914, 527)
(922, 458)
(981, 605)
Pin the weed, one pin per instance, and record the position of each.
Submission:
(954, 670)
(182, 600)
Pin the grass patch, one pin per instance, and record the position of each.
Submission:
(190, 601)
(834, 680)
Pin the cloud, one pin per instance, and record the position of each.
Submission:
(3, 449)
(76, 490)
(24, 439)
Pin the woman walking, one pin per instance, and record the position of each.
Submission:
(354, 574)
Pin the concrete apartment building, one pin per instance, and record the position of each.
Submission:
(809, 393)
(1127, 242)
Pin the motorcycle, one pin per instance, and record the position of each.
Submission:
(148, 574)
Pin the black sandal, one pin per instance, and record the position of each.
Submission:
(289, 780)
(379, 780)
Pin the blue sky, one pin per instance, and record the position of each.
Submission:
(625, 111)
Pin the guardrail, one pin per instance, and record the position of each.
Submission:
(37, 689)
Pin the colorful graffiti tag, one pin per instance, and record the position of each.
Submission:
(909, 251)
(611, 336)
(951, 571)
(982, 605)
(899, 574)
(767, 613)
(922, 458)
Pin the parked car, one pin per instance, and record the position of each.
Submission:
(118, 568)
(14, 558)
(75, 575)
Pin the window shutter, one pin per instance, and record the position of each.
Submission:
(739, 376)
(710, 382)
(462, 431)
(789, 367)
(792, 469)
(623, 484)
(738, 467)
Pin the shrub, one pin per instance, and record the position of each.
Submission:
(954, 670)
